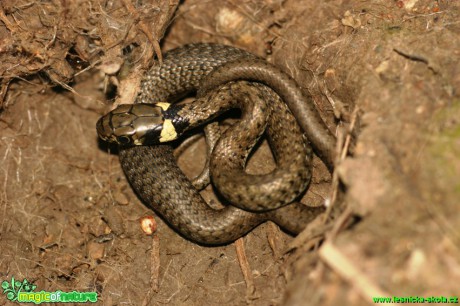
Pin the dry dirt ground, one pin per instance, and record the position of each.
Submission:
(384, 72)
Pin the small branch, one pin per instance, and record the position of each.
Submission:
(412, 57)
(244, 265)
(155, 270)
(350, 272)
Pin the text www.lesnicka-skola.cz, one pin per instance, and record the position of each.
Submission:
(416, 299)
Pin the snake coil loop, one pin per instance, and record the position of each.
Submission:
(154, 174)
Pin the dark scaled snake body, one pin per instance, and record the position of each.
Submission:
(211, 69)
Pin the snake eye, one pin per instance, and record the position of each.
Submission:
(124, 140)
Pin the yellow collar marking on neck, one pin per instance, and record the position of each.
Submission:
(168, 132)
(164, 105)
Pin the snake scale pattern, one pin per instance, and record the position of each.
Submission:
(211, 70)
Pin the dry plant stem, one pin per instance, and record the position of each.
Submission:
(166, 19)
(340, 224)
(7, 23)
(144, 28)
(244, 265)
(155, 261)
(314, 231)
(274, 239)
(350, 272)
(354, 118)
(4, 85)
(154, 33)
(342, 150)
(155, 270)
(332, 255)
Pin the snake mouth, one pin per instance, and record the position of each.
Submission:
(100, 129)
(103, 130)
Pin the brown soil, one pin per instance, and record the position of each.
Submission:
(388, 70)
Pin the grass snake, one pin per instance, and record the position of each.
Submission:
(211, 69)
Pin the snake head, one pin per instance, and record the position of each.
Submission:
(136, 124)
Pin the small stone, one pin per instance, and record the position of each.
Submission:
(148, 225)
(120, 198)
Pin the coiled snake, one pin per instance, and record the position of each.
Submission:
(154, 174)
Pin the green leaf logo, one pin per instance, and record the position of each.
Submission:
(13, 288)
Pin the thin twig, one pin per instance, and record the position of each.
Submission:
(155, 270)
(245, 269)
(351, 273)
